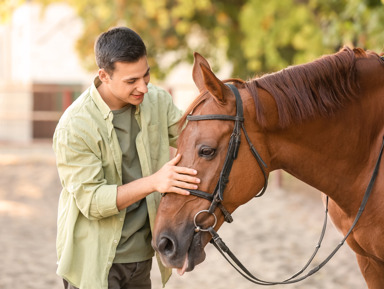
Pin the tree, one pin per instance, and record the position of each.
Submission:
(6, 9)
(255, 35)
(294, 31)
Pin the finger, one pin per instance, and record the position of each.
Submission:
(184, 185)
(175, 160)
(185, 171)
(179, 191)
(188, 179)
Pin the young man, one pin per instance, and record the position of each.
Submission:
(112, 151)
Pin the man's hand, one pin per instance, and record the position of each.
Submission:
(169, 179)
(173, 179)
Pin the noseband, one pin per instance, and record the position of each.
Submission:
(233, 148)
(218, 195)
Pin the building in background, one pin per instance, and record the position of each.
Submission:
(40, 74)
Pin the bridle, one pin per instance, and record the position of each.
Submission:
(233, 148)
(218, 195)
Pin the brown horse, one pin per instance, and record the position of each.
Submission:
(322, 122)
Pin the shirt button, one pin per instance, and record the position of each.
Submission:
(115, 241)
(109, 263)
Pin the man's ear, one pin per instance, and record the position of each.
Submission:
(104, 76)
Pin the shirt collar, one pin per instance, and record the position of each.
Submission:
(100, 103)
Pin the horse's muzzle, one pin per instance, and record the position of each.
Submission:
(183, 253)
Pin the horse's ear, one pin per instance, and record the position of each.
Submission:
(205, 79)
(214, 85)
(197, 73)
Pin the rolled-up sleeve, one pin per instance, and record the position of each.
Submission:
(82, 175)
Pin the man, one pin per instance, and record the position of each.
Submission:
(112, 151)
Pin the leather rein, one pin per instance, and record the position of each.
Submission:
(217, 197)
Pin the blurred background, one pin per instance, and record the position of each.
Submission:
(47, 60)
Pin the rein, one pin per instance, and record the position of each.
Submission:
(217, 197)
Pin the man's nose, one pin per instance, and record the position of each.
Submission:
(143, 86)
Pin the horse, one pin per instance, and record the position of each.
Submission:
(322, 122)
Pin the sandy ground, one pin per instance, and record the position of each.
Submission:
(273, 235)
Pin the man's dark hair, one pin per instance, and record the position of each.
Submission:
(119, 44)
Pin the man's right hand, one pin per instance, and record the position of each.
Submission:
(173, 179)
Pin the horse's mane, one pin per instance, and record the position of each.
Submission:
(305, 91)
(302, 92)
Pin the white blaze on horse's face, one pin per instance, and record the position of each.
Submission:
(203, 145)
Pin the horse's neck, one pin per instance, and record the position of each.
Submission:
(335, 155)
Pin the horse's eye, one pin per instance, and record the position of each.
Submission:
(207, 152)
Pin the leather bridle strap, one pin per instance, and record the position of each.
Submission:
(217, 197)
(227, 216)
(215, 117)
(234, 143)
(225, 251)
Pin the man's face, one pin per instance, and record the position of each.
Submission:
(127, 85)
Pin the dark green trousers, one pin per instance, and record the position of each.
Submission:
(127, 276)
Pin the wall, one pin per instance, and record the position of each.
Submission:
(35, 48)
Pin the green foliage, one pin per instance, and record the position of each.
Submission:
(353, 22)
(7, 7)
(255, 35)
(279, 33)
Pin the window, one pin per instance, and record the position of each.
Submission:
(49, 103)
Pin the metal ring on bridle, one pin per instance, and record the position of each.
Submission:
(198, 228)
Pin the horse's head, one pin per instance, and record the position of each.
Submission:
(203, 145)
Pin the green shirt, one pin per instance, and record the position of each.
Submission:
(89, 162)
(135, 241)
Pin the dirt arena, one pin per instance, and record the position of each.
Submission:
(273, 236)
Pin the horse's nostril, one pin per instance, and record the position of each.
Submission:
(166, 246)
